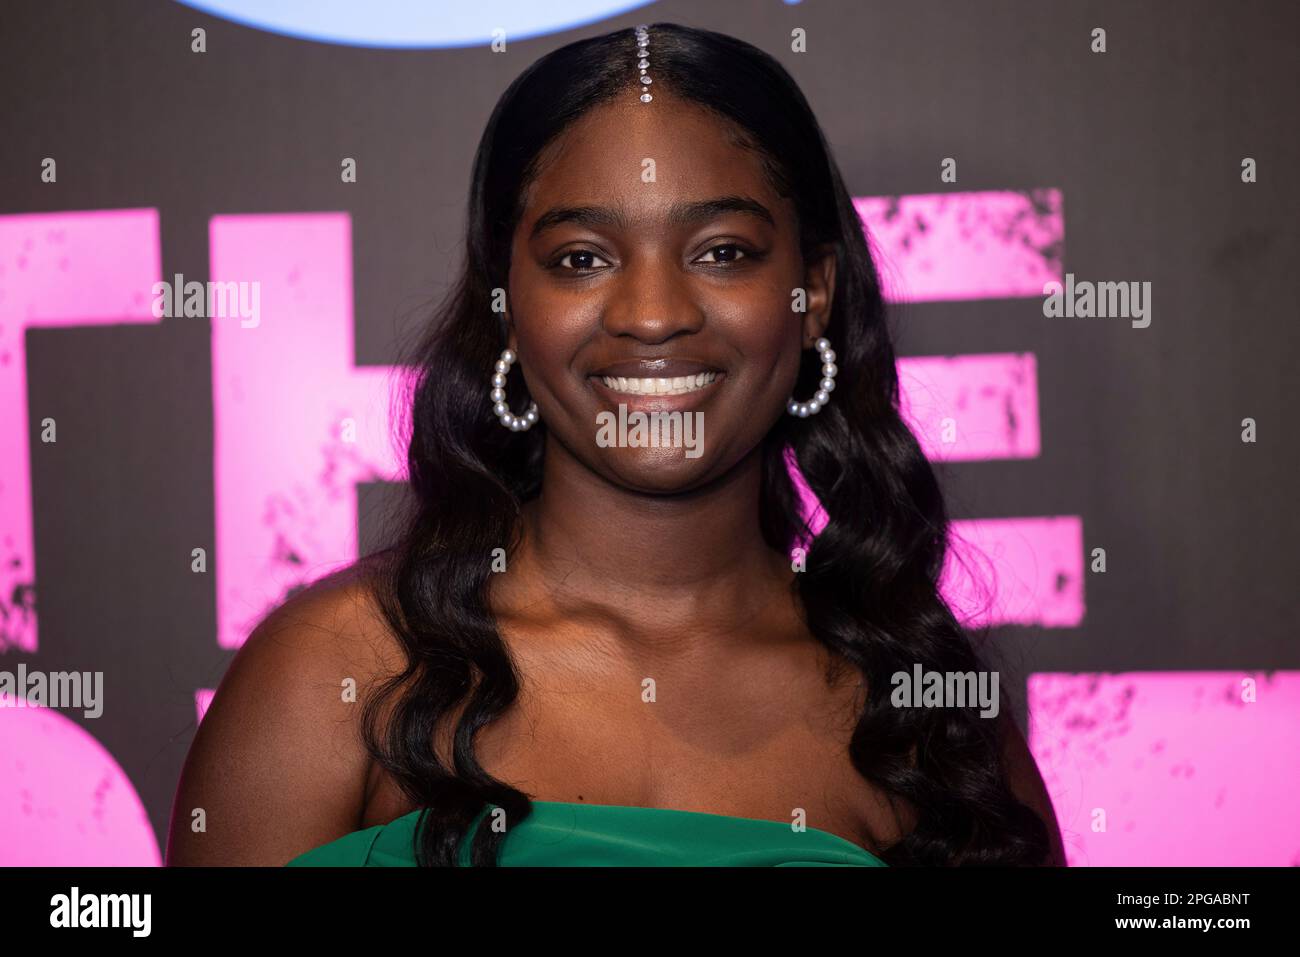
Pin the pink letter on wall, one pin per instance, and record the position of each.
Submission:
(970, 246)
(985, 245)
(972, 407)
(1016, 571)
(64, 801)
(56, 270)
(297, 423)
(1177, 769)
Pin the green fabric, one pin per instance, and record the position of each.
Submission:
(565, 834)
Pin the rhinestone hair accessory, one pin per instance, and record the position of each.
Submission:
(643, 61)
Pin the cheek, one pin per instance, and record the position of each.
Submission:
(546, 352)
(767, 336)
(550, 329)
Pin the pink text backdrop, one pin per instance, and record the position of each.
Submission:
(298, 424)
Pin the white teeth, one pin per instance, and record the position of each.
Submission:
(679, 385)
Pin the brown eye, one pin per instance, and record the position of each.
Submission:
(734, 253)
(582, 260)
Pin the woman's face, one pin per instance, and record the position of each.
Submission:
(652, 252)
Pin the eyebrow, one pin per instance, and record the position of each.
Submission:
(680, 214)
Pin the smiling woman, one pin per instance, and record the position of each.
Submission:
(592, 646)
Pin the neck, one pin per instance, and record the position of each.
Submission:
(660, 562)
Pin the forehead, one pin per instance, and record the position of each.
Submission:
(600, 159)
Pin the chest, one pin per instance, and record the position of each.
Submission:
(760, 734)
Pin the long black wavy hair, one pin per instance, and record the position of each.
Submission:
(869, 592)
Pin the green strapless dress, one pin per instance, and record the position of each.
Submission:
(564, 834)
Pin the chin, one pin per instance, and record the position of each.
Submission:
(656, 471)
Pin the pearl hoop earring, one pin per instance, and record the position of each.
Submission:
(515, 423)
(824, 388)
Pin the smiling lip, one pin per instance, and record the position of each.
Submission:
(654, 368)
(662, 383)
(670, 400)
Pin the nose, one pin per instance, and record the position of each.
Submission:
(652, 302)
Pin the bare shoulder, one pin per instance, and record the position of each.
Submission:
(278, 766)
(1027, 783)
(333, 622)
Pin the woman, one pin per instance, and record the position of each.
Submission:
(581, 637)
